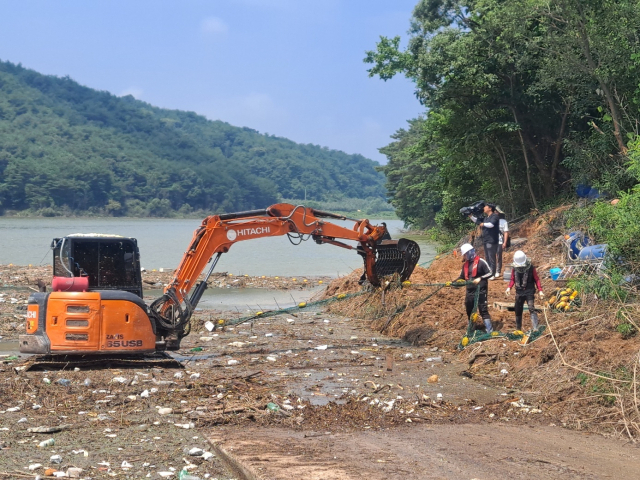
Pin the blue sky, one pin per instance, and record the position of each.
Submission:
(292, 68)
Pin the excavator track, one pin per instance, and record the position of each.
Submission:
(97, 362)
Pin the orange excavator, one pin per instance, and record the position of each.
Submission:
(96, 306)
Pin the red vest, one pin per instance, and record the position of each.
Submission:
(474, 269)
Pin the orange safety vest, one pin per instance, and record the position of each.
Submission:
(474, 269)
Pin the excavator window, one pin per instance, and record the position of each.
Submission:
(110, 263)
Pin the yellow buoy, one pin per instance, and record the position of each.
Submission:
(465, 341)
(319, 281)
(495, 334)
(221, 321)
(293, 279)
(276, 278)
(259, 313)
(341, 296)
(406, 283)
(518, 332)
(302, 304)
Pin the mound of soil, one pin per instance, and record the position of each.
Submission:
(581, 368)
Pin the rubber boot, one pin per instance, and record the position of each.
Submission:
(534, 321)
(488, 325)
(519, 322)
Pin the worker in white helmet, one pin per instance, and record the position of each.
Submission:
(525, 278)
(476, 272)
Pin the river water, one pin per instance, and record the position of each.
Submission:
(162, 242)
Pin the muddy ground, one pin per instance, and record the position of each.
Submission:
(318, 394)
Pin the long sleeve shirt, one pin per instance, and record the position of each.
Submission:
(534, 275)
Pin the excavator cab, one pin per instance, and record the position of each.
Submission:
(107, 262)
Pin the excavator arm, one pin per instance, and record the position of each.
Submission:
(217, 234)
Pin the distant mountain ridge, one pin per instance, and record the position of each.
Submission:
(68, 148)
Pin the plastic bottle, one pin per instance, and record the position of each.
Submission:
(273, 407)
(47, 443)
(184, 475)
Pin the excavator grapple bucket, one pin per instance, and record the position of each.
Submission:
(396, 257)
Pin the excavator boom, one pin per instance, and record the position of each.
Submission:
(96, 306)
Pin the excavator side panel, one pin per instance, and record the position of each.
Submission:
(73, 321)
(88, 322)
(125, 328)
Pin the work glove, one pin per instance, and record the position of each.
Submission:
(477, 280)
(541, 294)
(507, 291)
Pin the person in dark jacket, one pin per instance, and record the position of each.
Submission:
(525, 278)
(490, 225)
(477, 270)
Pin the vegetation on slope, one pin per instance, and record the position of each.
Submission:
(525, 100)
(67, 148)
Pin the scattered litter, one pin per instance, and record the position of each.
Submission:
(433, 379)
(165, 411)
(322, 347)
(186, 426)
(59, 428)
(74, 472)
(57, 459)
(233, 362)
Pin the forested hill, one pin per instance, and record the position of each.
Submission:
(68, 148)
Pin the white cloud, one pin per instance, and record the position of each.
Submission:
(136, 92)
(213, 26)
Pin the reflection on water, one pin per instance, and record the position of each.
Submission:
(163, 241)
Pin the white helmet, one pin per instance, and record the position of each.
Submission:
(466, 248)
(519, 258)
